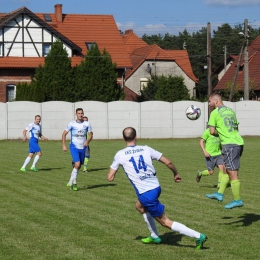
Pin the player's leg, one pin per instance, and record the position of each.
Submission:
(223, 181)
(86, 160)
(27, 160)
(232, 167)
(149, 220)
(207, 172)
(220, 165)
(30, 155)
(72, 184)
(36, 158)
(182, 229)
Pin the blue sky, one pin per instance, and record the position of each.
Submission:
(154, 17)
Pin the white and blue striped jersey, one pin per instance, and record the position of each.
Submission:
(78, 131)
(137, 164)
(34, 130)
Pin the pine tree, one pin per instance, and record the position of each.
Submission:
(54, 78)
(96, 77)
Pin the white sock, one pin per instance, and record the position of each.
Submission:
(178, 227)
(73, 177)
(36, 158)
(27, 160)
(149, 220)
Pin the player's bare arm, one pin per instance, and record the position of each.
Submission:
(111, 175)
(90, 137)
(213, 131)
(43, 137)
(202, 145)
(24, 135)
(171, 166)
(64, 148)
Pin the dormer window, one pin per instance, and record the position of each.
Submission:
(90, 44)
(47, 18)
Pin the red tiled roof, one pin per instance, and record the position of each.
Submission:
(77, 29)
(182, 59)
(140, 51)
(253, 68)
(29, 62)
(21, 62)
(102, 29)
(132, 41)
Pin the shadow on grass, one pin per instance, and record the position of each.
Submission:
(247, 219)
(98, 169)
(174, 239)
(96, 186)
(50, 169)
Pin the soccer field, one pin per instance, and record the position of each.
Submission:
(41, 219)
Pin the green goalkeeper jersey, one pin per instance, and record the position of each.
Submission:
(225, 122)
(212, 143)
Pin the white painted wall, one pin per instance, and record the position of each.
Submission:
(159, 68)
(153, 119)
(37, 35)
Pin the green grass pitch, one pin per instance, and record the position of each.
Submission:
(41, 219)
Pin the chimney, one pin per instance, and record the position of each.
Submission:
(129, 31)
(58, 13)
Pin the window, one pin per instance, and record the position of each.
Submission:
(1, 49)
(46, 49)
(143, 83)
(90, 44)
(10, 93)
(47, 18)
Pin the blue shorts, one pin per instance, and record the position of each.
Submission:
(150, 202)
(34, 146)
(78, 155)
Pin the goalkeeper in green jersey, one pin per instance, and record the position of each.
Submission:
(211, 148)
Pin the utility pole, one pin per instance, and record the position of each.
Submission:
(209, 58)
(209, 64)
(225, 58)
(246, 80)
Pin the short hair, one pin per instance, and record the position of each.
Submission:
(129, 134)
(216, 95)
(78, 109)
(37, 116)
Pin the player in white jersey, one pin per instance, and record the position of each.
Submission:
(35, 131)
(137, 164)
(78, 143)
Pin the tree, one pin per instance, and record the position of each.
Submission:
(196, 45)
(96, 77)
(53, 80)
(165, 89)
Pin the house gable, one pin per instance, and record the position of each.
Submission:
(254, 68)
(23, 34)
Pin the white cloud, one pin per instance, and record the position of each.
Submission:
(232, 2)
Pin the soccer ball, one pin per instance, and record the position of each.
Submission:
(193, 112)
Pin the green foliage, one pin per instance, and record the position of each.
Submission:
(56, 75)
(24, 92)
(96, 77)
(165, 89)
(236, 93)
(196, 45)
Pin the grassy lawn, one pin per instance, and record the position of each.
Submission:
(41, 219)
